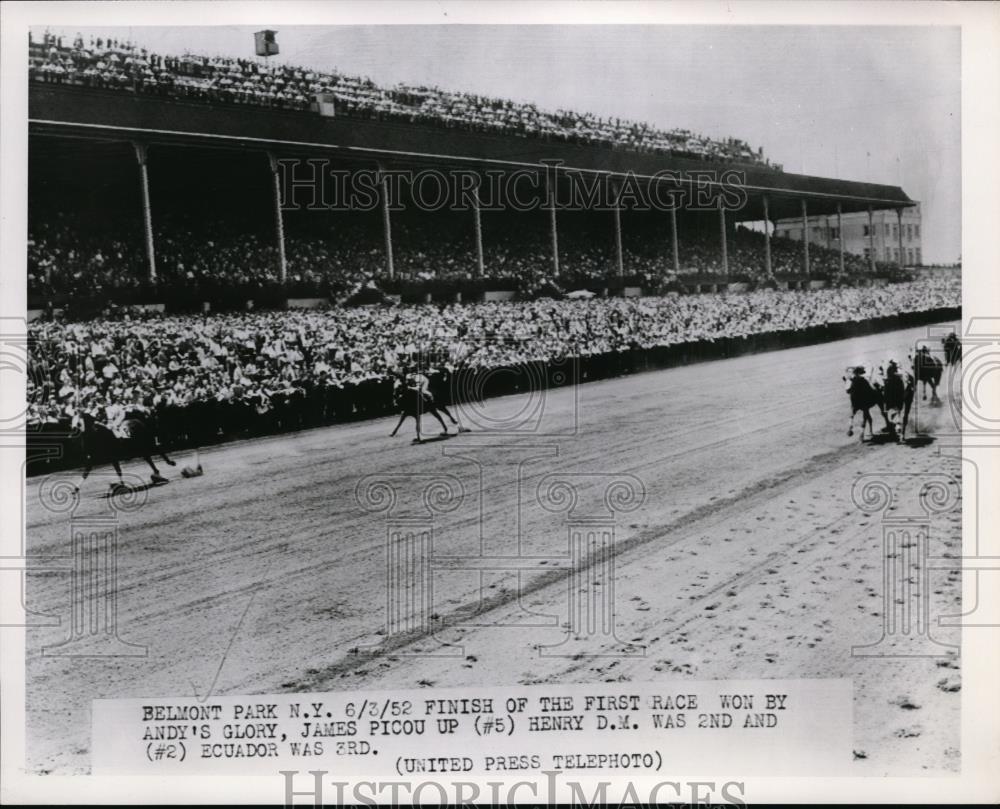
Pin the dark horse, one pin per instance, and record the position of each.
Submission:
(101, 445)
(863, 398)
(413, 402)
(927, 369)
(897, 400)
(952, 349)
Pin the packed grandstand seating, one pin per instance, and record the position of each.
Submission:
(116, 65)
(67, 257)
(209, 377)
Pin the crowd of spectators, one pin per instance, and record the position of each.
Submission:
(214, 375)
(113, 64)
(69, 258)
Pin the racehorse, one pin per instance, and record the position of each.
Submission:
(897, 399)
(952, 349)
(413, 402)
(927, 369)
(102, 445)
(863, 398)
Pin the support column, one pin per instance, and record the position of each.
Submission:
(619, 252)
(279, 222)
(805, 237)
(390, 267)
(673, 239)
(899, 227)
(147, 212)
(478, 225)
(767, 238)
(871, 241)
(553, 226)
(722, 228)
(840, 236)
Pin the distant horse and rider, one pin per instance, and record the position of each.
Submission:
(413, 397)
(132, 436)
(952, 349)
(927, 369)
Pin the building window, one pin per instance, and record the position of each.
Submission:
(919, 259)
(895, 231)
(868, 254)
(917, 229)
(886, 228)
(866, 233)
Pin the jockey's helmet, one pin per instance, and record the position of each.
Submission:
(859, 370)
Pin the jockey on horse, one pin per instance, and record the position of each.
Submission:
(123, 434)
(897, 397)
(927, 369)
(413, 397)
(863, 397)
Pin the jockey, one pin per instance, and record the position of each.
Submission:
(893, 386)
(418, 382)
(857, 381)
(115, 419)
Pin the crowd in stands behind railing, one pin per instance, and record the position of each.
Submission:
(113, 64)
(223, 371)
(66, 257)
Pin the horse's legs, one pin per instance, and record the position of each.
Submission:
(157, 477)
(437, 415)
(850, 424)
(402, 418)
(416, 418)
(166, 460)
(444, 410)
(118, 469)
(866, 418)
(83, 477)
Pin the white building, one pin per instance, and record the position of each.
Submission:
(823, 231)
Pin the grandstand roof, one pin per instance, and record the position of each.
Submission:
(110, 115)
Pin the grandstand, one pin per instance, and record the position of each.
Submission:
(168, 181)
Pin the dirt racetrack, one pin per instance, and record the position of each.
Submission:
(747, 559)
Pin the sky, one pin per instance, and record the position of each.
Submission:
(880, 104)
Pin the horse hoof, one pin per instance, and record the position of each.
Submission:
(158, 479)
(171, 463)
(850, 433)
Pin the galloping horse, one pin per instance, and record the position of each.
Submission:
(952, 349)
(897, 399)
(863, 398)
(101, 445)
(413, 402)
(927, 369)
